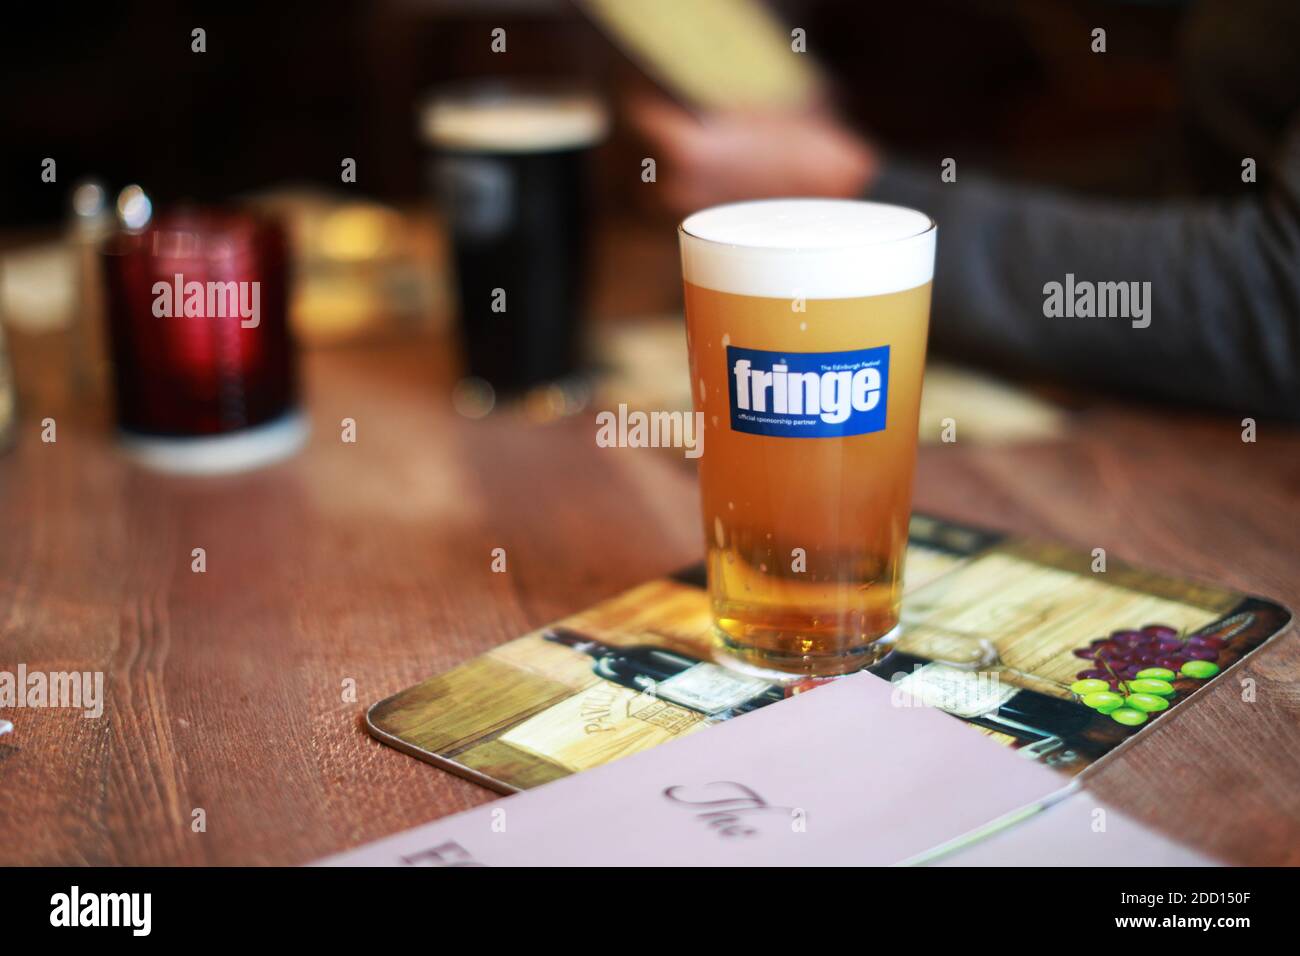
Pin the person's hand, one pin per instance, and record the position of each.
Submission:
(726, 157)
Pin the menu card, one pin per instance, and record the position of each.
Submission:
(724, 54)
(1079, 830)
(846, 774)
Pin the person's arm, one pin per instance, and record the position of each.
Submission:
(1225, 284)
(1225, 274)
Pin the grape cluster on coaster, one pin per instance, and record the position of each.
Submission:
(1133, 671)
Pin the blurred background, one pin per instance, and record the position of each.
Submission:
(117, 94)
(280, 97)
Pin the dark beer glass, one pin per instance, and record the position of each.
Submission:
(508, 166)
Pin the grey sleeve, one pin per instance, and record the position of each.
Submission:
(1224, 295)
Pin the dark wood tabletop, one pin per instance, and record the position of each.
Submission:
(370, 563)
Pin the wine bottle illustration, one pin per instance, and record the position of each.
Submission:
(1043, 723)
(672, 676)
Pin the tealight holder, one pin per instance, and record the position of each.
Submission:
(203, 363)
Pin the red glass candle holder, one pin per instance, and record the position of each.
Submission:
(203, 363)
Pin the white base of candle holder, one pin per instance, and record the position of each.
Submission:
(236, 451)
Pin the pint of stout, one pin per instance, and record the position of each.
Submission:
(806, 321)
(509, 168)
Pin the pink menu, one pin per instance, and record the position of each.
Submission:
(842, 775)
(1080, 830)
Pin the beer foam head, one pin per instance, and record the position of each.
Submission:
(808, 248)
(514, 122)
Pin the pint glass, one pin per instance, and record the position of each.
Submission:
(806, 322)
(510, 169)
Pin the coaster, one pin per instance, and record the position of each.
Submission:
(996, 631)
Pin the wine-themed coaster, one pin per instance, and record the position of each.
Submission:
(1022, 640)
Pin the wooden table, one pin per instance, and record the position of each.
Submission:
(370, 563)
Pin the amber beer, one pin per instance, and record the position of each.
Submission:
(806, 321)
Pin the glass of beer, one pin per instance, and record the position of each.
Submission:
(806, 322)
(509, 164)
